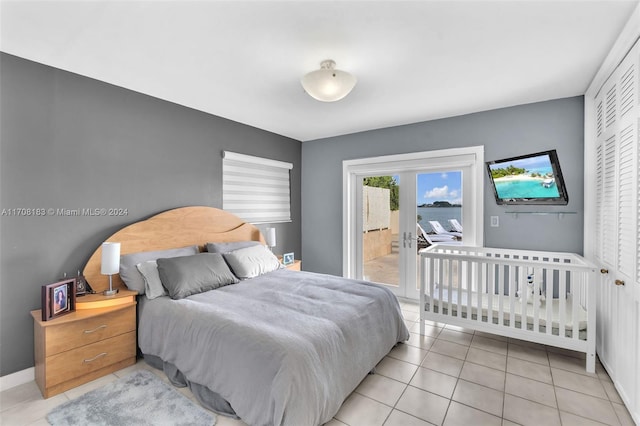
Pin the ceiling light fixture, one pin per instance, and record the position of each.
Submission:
(328, 84)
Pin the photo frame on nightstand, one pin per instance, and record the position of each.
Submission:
(58, 299)
(287, 259)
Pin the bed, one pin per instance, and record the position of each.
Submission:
(278, 347)
(543, 297)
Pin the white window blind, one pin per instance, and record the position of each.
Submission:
(256, 189)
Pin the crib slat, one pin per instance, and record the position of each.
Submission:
(460, 285)
(432, 280)
(469, 289)
(522, 282)
(450, 286)
(537, 273)
(440, 285)
(500, 295)
(491, 286)
(512, 296)
(549, 299)
(562, 303)
(575, 310)
(482, 270)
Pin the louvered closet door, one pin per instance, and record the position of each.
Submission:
(618, 227)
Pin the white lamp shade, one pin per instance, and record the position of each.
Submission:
(328, 84)
(270, 237)
(110, 258)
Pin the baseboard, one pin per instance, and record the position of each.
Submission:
(18, 378)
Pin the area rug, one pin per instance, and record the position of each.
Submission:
(139, 399)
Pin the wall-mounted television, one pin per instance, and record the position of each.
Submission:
(528, 179)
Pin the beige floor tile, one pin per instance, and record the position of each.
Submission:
(422, 342)
(429, 330)
(509, 423)
(359, 410)
(569, 363)
(490, 345)
(611, 391)
(31, 411)
(569, 419)
(396, 369)
(462, 415)
(532, 390)
(227, 421)
(451, 349)
(479, 397)
(409, 324)
(333, 422)
(410, 307)
(20, 394)
(456, 336)
(40, 422)
(424, 405)
(443, 364)
(408, 353)
(411, 316)
(579, 383)
(139, 365)
(623, 415)
(527, 353)
(458, 328)
(531, 370)
(488, 359)
(526, 343)
(434, 381)
(586, 406)
(381, 389)
(492, 336)
(567, 352)
(398, 418)
(484, 376)
(529, 413)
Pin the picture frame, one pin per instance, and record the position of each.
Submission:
(287, 258)
(58, 299)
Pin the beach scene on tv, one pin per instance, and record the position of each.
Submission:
(525, 178)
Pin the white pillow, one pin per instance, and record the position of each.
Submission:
(152, 284)
(252, 261)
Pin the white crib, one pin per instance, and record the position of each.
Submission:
(527, 295)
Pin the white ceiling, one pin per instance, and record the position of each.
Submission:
(242, 60)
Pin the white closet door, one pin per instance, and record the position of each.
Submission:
(617, 203)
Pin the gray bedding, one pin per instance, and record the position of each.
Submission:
(285, 348)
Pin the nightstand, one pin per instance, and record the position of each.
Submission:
(295, 266)
(95, 340)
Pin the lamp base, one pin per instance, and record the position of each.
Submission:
(110, 292)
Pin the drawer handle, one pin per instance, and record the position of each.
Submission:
(86, 361)
(95, 329)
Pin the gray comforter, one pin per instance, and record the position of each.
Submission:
(285, 348)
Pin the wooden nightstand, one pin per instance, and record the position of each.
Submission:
(295, 266)
(95, 340)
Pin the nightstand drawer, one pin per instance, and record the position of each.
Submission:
(83, 360)
(74, 335)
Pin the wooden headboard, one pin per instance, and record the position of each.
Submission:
(185, 226)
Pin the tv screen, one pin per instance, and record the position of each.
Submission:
(528, 179)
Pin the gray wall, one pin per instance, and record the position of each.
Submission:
(507, 132)
(72, 142)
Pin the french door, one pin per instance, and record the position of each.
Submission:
(389, 200)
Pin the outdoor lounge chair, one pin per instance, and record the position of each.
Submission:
(434, 238)
(455, 225)
(439, 229)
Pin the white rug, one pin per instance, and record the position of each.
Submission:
(139, 399)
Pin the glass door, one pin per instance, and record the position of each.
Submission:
(401, 214)
(396, 205)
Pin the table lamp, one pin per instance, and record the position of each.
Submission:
(110, 264)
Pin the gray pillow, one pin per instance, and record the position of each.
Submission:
(187, 275)
(228, 247)
(252, 261)
(152, 285)
(130, 274)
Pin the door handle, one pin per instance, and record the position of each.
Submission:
(619, 282)
(604, 271)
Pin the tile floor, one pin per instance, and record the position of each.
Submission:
(451, 376)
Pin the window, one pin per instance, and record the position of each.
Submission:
(256, 189)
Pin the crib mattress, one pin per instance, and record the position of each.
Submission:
(506, 308)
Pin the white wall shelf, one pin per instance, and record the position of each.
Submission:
(559, 214)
